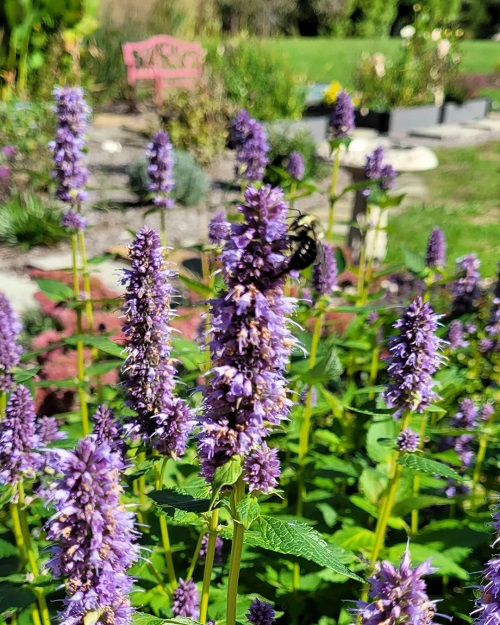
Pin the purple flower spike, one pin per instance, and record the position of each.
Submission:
(48, 431)
(73, 220)
(487, 611)
(408, 440)
(262, 469)
(436, 249)
(218, 228)
(492, 327)
(296, 165)
(466, 288)
(261, 613)
(324, 276)
(455, 335)
(219, 545)
(10, 351)
(185, 600)
(162, 420)
(414, 358)
(251, 145)
(251, 342)
(376, 169)
(18, 438)
(94, 534)
(399, 595)
(388, 177)
(67, 148)
(160, 169)
(342, 119)
(108, 430)
(486, 411)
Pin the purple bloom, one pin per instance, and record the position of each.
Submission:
(455, 335)
(162, 420)
(261, 613)
(67, 148)
(454, 489)
(464, 419)
(342, 119)
(219, 544)
(303, 396)
(414, 358)
(9, 151)
(492, 327)
(48, 431)
(376, 169)
(470, 328)
(4, 172)
(408, 440)
(466, 288)
(251, 145)
(93, 532)
(108, 430)
(218, 228)
(373, 317)
(185, 600)
(251, 343)
(488, 603)
(296, 165)
(436, 249)
(262, 469)
(73, 220)
(486, 345)
(18, 438)
(160, 169)
(399, 595)
(324, 276)
(10, 351)
(486, 411)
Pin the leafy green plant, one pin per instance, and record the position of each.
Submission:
(198, 120)
(27, 221)
(258, 79)
(282, 143)
(191, 182)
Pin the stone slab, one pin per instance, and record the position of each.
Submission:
(445, 132)
(20, 290)
(489, 123)
(404, 158)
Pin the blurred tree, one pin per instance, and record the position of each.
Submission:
(481, 18)
(372, 18)
(257, 17)
(320, 17)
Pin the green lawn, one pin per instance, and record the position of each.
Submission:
(465, 189)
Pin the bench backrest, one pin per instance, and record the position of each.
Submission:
(178, 63)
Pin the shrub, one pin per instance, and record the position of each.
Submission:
(258, 79)
(282, 143)
(198, 120)
(27, 221)
(191, 182)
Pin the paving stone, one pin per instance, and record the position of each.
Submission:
(20, 290)
(489, 123)
(448, 131)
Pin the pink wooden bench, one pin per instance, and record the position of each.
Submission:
(168, 61)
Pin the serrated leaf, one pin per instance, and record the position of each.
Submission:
(328, 368)
(355, 538)
(197, 287)
(298, 539)
(7, 549)
(13, 597)
(248, 510)
(103, 367)
(102, 343)
(426, 465)
(414, 262)
(226, 475)
(172, 498)
(54, 290)
(23, 375)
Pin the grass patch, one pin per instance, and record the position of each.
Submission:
(324, 60)
(465, 189)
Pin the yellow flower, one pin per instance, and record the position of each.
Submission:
(332, 91)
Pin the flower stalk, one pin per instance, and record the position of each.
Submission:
(236, 550)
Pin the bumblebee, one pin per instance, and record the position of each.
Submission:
(305, 244)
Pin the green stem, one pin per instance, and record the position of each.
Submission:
(3, 403)
(374, 368)
(236, 550)
(163, 228)
(79, 345)
(416, 479)
(481, 454)
(362, 262)
(394, 475)
(333, 188)
(165, 538)
(371, 257)
(28, 547)
(209, 563)
(194, 559)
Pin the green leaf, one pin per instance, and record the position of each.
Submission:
(54, 290)
(379, 430)
(103, 367)
(414, 262)
(355, 538)
(340, 259)
(102, 343)
(298, 539)
(139, 618)
(248, 510)
(226, 475)
(7, 549)
(328, 368)
(13, 597)
(197, 287)
(404, 507)
(23, 375)
(172, 498)
(426, 465)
